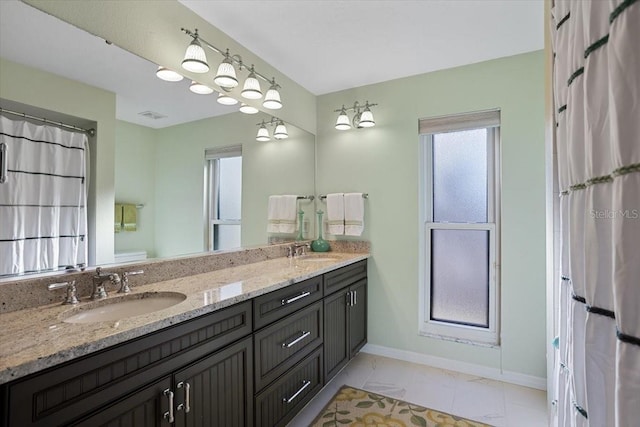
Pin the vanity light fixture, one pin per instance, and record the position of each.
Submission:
(200, 89)
(363, 117)
(251, 89)
(343, 122)
(248, 109)
(225, 99)
(226, 75)
(195, 59)
(263, 133)
(168, 75)
(272, 98)
(280, 131)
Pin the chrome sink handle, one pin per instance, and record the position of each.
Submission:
(124, 287)
(72, 297)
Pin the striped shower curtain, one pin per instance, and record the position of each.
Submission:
(597, 102)
(43, 216)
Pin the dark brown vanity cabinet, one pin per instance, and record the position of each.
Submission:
(288, 351)
(345, 316)
(254, 363)
(148, 381)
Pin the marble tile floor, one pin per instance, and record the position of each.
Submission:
(492, 402)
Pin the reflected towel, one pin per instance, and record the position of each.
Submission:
(288, 209)
(353, 214)
(273, 221)
(335, 213)
(118, 218)
(129, 217)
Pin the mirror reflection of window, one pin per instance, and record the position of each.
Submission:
(223, 197)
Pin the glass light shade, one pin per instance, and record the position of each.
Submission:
(251, 88)
(263, 134)
(195, 60)
(168, 75)
(200, 89)
(248, 109)
(366, 119)
(280, 131)
(272, 99)
(225, 99)
(343, 122)
(226, 76)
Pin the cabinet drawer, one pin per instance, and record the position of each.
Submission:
(283, 399)
(277, 304)
(281, 345)
(63, 393)
(338, 279)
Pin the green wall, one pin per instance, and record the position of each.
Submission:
(275, 167)
(135, 175)
(383, 161)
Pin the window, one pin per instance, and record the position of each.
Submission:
(459, 211)
(223, 197)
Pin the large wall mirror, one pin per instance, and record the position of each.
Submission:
(173, 168)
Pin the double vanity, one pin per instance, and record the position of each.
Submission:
(248, 343)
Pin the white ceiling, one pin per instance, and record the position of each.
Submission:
(323, 45)
(329, 45)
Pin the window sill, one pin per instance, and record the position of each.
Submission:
(458, 340)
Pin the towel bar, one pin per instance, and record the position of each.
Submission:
(364, 196)
(306, 197)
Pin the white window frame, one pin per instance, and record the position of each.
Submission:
(447, 330)
(212, 157)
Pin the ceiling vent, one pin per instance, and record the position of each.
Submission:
(152, 115)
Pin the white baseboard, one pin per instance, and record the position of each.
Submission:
(454, 365)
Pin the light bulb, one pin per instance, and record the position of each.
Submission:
(168, 75)
(200, 89)
(225, 99)
(248, 109)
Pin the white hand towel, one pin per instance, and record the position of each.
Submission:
(353, 214)
(287, 213)
(335, 213)
(273, 210)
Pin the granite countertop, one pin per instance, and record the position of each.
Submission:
(37, 338)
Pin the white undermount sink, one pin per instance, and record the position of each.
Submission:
(119, 308)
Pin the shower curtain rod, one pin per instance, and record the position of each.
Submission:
(90, 132)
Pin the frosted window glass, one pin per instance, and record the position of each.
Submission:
(460, 276)
(460, 176)
(230, 196)
(227, 236)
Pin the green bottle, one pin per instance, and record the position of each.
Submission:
(320, 245)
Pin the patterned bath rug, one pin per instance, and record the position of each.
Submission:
(358, 408)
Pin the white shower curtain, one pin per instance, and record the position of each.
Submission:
(597, 99)
(43, 216)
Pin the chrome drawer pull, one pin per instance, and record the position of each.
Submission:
(290, 300)
(187, 397)
(169, 414)
(297, 340)
(305, 384)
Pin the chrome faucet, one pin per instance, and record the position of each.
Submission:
(124, 288)
(297, 249)
(99, 292)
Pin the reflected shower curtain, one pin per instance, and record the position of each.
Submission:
(597, 103)
(43, 217)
